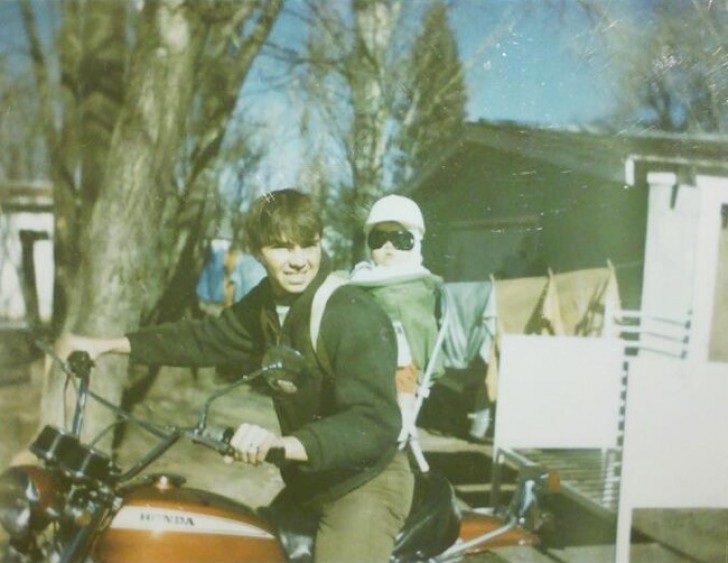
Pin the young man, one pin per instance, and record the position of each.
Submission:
(340, 429)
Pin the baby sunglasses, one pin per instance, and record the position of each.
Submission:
(401, 240)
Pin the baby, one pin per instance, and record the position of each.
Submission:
(405, 289)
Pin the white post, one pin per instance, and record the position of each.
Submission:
(713, 195)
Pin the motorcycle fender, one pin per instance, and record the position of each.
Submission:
(159, 525)
(474, 524)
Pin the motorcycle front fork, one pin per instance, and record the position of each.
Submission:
(80, 538)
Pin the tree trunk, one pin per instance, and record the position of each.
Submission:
(120, 276)
(375, 20)
(92, 51)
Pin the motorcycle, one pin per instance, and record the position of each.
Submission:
(76, 504)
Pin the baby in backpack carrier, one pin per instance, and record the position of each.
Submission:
(405, 289)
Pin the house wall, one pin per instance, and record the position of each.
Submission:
(492, 213)
(685, 262)
(12, 303)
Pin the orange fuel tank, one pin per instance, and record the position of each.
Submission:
(162, 521)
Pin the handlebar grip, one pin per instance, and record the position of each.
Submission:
(218, 438)
(276, 456)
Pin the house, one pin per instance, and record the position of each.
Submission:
(26, 252)
(26, 272)
(634, 424)
(513, 201)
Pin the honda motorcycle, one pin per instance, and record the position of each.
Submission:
(76, 504)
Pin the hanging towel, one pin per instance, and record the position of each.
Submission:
(589, 300)
(472, 323)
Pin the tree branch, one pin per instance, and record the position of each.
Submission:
(41, 75)
(218, 117)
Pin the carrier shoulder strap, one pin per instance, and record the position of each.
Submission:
(318, 306)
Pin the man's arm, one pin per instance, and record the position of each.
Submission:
(213, 341)
(94, 347)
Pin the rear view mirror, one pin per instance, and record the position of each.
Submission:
(285, 369)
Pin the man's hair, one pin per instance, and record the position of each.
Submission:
(282, 216)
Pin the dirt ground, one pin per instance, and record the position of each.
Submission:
(177, 394)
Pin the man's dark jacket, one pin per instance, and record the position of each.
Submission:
(348, 421)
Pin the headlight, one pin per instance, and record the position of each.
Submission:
(14, 505)
(28, 496)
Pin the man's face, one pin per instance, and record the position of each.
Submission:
(291, 266)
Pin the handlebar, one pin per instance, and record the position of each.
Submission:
(79, 365)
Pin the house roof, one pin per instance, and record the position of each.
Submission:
(577, 150)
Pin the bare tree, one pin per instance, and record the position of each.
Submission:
(670, 60)
(91, 40)
(346, 58)
(21, 153)
(129, 156)
(377, 101)
(680, 73)
(375, 21)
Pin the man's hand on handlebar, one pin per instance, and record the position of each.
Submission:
(253, 443)
(94, 347)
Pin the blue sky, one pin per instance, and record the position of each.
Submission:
(520, 56)
(534, 71)
(528, 73)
